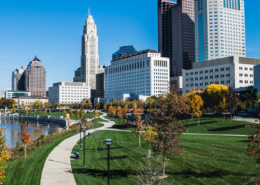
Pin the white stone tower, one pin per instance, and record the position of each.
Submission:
(89, 54)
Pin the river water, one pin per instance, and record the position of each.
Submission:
(36, 129)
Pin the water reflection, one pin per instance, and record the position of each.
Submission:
(36, 129)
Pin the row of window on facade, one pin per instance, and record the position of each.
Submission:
(127, 67)
(207, 71)
(207, 83)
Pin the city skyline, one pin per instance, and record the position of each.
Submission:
(64, 56)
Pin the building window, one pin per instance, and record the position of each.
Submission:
(228, 68)
(240, 68)
(216, 70)
(241, 81)
(240, 74)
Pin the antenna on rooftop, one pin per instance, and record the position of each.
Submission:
(89, 13)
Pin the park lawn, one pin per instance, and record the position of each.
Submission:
(218, 126)
(206, 160)
(25, 171)
(90, 115)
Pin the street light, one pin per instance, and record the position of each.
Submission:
(80, 134)
(187, 108)
(108, 143)
(85, 121)
(84, 161)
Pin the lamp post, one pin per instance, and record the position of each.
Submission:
(85, 121)
(88, 113)
(80, 134)
(187, 108)
(84, 160)
(108, 143)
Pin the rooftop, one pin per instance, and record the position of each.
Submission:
(36, 59)
(137, 53)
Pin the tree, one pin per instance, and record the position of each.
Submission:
(82, 104)
(25, 136)
(81, 114)
(253, 148)
(64, 113)
(105, 107)
(11, 102)
(98, 105)
(232, 101)
(148, 135)
(26, 112)
(168, 129)
(14, 110)
(213, 96)
(113, 111)
(96, 113)
(249, 98)
(36, 112)
(71, 113)
(37, 104)
(125, 110)
(47, 105)
(44, 112)
(61, 108)
(4, 154)
(71, 106)
(110, 110)
(119, 113)
(194, 102)
(139, 126)
(56, 104)
(135, 108)
(77, 114)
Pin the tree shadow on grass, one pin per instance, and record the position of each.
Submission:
(213, 174)
(203, 123)
(113, 158)
(226, 128)
(114, 174)
(103, 149)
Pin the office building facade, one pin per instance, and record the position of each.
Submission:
(17, 94)
(176, 34)
(100, 85)
(89, 55)
(219, 29)
(137, 76)
(234, 72)
(123, 51)
(31, 78)
(69, 92)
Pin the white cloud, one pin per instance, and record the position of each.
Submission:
(5, 88)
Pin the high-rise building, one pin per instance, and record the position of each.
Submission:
(35, 78)
(220, 29)
(31, 78)
(176, 24)
(18, 80)
(100, 85)
(123, 51)
(89, 55)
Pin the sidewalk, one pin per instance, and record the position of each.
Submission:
(57, 167)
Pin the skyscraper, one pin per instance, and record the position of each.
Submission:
(35, 78)
(123, 51)
(177, 33)
(31, 78)
(220, 29)
(89, 55)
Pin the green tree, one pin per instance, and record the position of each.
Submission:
(37, 104)
(82, 114)
(71, 113)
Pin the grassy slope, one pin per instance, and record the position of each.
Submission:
(206, 160)
(91, 114)
(218, 126)
(24, 171)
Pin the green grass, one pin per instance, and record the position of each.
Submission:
(25, 171)
(218, 126)
(91, 114)
(206, 160)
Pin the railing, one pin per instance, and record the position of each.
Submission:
(250, 120)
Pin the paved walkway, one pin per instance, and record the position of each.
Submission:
(57, 168)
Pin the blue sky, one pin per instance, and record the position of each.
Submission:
(53, 28)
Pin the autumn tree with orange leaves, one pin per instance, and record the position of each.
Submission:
(169, 130)
(4, 154)
(139, 125)
(25, 136)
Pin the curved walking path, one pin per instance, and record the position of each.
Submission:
(57, 168)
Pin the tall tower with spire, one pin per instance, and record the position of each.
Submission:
(89, 54)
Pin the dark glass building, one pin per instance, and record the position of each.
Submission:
(176, 34)
(123, 51)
